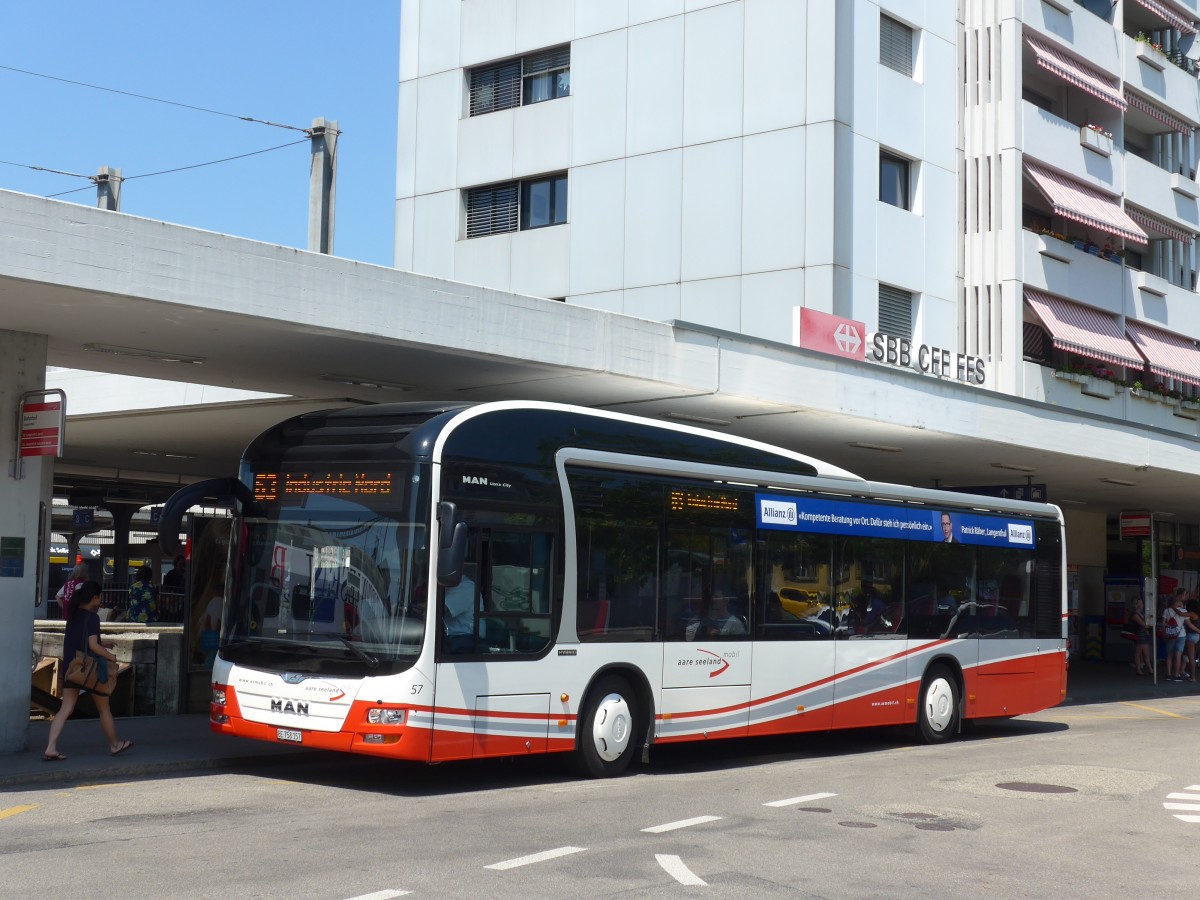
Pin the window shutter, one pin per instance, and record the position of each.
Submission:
(548, 60)
(496, 87)
(895, 311)
(492, 209)
(896, 45)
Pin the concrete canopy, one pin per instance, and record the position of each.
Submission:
(119, 294)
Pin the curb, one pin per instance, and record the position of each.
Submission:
(61, 775)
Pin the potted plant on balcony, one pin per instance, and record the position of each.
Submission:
(1101, 381)
(1096, 138)
(1070, 372)
(1150, 52)
(1138, 389)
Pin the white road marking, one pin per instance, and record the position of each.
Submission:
(792, 801)
(381, 895)
(1192, 792)
(535, 858)
(674, 867)
(684, 823)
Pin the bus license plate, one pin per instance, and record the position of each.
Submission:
(287, 734)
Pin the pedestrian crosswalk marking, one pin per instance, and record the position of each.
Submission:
(1191, 792)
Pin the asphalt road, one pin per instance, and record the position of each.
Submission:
(1060, 804)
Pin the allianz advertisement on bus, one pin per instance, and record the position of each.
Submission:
(872, 520)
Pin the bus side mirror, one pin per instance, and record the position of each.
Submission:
(221, 491)
(452, 545)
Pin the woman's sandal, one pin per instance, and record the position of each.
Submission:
(125, 745)
(53, 757)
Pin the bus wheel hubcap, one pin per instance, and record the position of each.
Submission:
(939, 704)
(612, 727)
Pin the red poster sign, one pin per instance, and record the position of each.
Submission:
(1135, 525)
(41, 428)
(831, 334)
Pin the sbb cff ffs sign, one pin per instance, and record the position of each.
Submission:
(902, 352)
(830, 334)
(846, 337)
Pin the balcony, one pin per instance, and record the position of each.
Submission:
(1156, 301)
(1061, 268)
(1170, 196)
(1150, 72)
(1088, 36)
(1091, 395)
(1064, 146)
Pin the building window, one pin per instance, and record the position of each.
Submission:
(895, 45)
(895, 311)
(500, 208)
(894, 180)
(544, 202)
(545, 75)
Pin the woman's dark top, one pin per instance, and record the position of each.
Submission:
(80, 626)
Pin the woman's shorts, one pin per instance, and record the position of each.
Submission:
(1192, 637)
(1175, 644)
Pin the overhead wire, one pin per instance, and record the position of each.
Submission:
(215, 112)
(92, 178)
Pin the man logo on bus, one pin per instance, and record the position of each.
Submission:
(299, 708)
(778, 511)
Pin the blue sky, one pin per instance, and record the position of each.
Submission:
(286, 61)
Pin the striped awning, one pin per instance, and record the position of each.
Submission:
(1078, 74)
(1177, 19)
(1077, 201)
(1162, 226)
(1168, 355)
(1083, 330)
(1157, 112)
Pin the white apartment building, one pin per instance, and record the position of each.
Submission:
(905, 164)
(712, 162)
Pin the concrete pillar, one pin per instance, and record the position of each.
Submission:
(108, 188)
(122, 516)
(322, 185)
(22, 368)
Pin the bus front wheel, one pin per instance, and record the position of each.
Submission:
(937, 720)
(608, 728)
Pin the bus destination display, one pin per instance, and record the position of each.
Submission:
(703, 501)
(273, 485)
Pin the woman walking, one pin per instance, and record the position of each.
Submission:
(83, 633)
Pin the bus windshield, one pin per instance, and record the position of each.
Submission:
(334, 572)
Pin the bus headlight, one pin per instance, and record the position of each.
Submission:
(218, 697)
(379, 716)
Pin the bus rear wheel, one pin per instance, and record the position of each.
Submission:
(608, 728)
(937, 719)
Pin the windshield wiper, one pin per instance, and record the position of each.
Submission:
(371, 661)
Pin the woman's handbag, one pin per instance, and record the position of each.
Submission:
(90, 673)
(1130, 632)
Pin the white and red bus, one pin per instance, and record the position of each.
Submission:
(439, 582)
